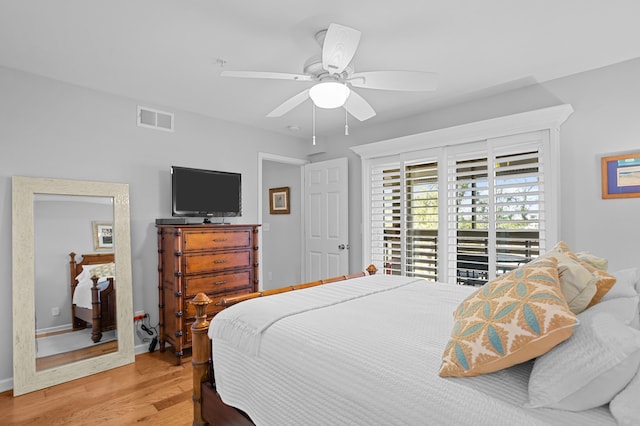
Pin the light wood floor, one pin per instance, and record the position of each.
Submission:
(98, 349)
(153, 390)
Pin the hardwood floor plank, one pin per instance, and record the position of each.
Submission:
(153, 390)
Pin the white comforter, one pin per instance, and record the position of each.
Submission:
(370, 359)
(82, 293)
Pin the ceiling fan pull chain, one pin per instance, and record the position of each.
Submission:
(346, 123)
(313, 121)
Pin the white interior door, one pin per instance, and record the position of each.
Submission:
(326, 219)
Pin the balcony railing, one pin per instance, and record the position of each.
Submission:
(513, 248)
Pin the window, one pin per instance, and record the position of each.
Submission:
(404, 218)
(461, 212)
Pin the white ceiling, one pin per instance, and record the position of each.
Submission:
(165, 53)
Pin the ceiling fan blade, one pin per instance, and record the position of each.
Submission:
(358, 107)
(268, 75)
(289, 104)
(340, 44)
(410, 81)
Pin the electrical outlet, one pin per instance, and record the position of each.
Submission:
(55, 311)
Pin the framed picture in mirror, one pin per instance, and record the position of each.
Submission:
(102, 235)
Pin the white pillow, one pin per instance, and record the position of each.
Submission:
(588, 369)
(625, 286)
(625, 407)
(624, 308)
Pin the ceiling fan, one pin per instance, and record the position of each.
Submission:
(334, 76)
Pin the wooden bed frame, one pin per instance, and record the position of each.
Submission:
(102, 315)
(208, 408)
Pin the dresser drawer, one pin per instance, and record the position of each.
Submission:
(187, 335)
(212, 308)
(199, 263)
(216, 240)
(217, 283)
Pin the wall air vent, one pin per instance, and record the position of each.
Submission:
(154, 119)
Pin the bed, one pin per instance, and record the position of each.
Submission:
(344, 353)
(93, 293)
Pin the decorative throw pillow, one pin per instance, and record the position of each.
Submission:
(578, 285)
(509, 320)
(624, 406)
(604, 280)
(86, 273)
(595, 261)
(107, 270)
(589, 369)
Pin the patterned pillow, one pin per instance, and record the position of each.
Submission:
(509, 320)
(107, 270)
(577, 283)
(604, 280)
(595, 261)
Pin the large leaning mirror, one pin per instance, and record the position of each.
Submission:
(62, 228)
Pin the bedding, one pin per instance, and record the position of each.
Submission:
(367, 360)
(82, 294)
(89, 308)
(590, 369)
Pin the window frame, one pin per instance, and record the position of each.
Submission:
(475, 135)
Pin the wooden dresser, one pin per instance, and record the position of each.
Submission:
(218, 260)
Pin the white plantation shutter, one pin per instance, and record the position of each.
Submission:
(385, 227)
(468, 218)
(421, 219)
(404, 217)
(519, 208)
(495, 206)
(485, 198)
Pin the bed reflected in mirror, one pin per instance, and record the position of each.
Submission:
(74, 319)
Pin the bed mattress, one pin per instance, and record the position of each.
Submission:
(370, 359)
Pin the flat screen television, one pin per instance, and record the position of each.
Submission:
(205, 193)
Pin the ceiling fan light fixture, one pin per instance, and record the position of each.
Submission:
(329, 94)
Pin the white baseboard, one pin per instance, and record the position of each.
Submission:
(6, 384)
(142, 348)
(55, 329)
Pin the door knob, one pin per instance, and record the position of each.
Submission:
(341, 247)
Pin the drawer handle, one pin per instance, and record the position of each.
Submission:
(219, 240)
(220, 261)
(220, 282)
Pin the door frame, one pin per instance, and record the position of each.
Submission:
(265, 156)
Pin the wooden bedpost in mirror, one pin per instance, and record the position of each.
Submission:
(25, 190)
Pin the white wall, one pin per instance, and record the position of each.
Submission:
(606, 120)
(52, 129)
(281, 233)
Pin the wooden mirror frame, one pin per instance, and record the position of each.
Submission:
(25, 377)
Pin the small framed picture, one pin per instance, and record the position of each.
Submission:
(621, 176)
(279, 200)
(102, 235)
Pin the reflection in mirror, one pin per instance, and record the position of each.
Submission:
(47, 225)
(67, 328)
